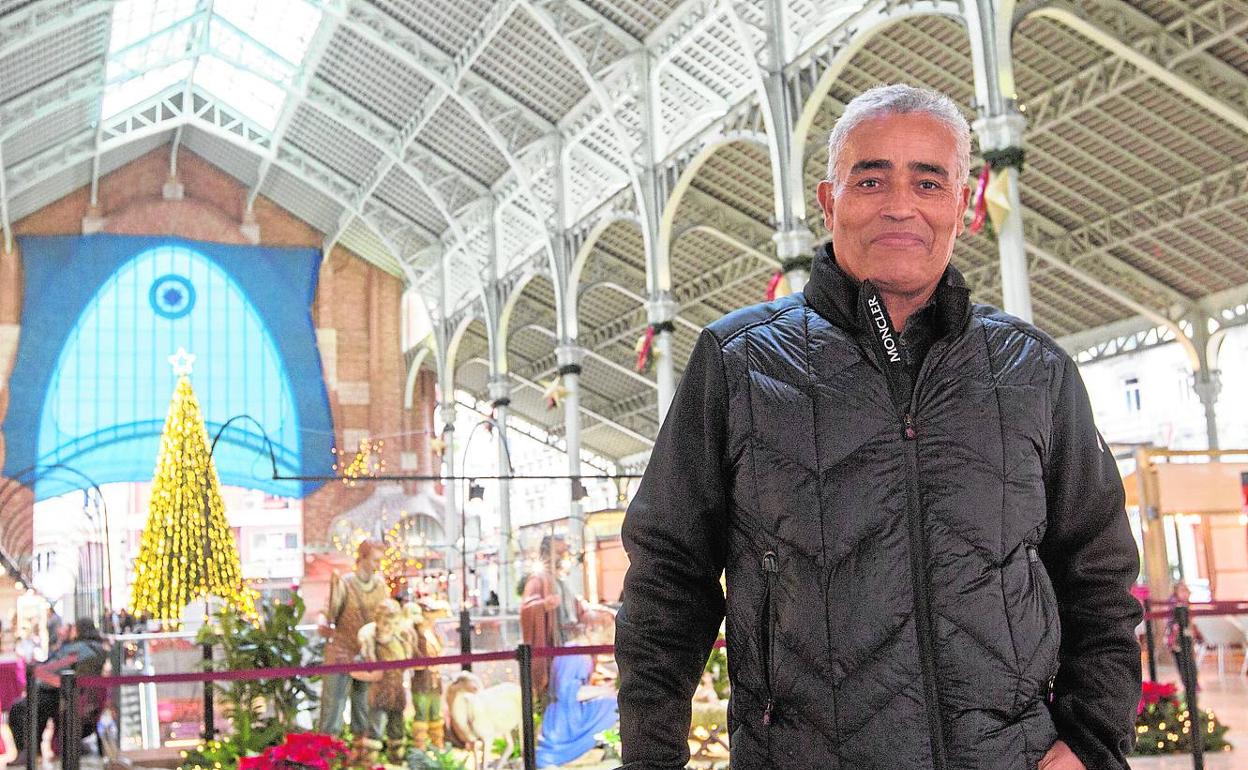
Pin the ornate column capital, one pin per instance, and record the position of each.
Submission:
(1000, 132)
(661, 308)
(448, 415)
(500, 390)
(569, 355)
(794, 243)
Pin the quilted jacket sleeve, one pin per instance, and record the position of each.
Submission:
(675, 534)
(1091, 557)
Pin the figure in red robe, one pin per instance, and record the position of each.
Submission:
(549, 609)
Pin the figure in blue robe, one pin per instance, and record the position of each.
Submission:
(569, 725)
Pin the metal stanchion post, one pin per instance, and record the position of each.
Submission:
(210, 717)
(1150, 640)
(71, 731)
(528, 742)
(32, 728)
(1187, 671)
(465, 635)
(117, 661)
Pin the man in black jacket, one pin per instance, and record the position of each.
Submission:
(927, 558)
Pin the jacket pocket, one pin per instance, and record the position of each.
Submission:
(767, 622)
(1048, 598)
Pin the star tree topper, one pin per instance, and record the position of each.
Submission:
(182, 362)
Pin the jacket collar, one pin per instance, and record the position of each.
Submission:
(835, 296)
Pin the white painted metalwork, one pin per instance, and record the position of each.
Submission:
(661, 155)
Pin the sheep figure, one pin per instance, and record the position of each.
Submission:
(480, 715)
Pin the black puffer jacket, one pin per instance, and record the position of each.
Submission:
(899, 574)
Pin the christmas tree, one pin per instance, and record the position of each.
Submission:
(178, 562)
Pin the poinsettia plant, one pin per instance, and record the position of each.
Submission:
(1153, 693)
(1164, 725)
(303, 751)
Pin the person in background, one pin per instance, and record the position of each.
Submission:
(63, 635)
(112, 621)
(1179, 594)
(85, 653)
(56, 627)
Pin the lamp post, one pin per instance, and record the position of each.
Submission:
(210, 727)
(93, 498)
(474, 492)
(465, 619)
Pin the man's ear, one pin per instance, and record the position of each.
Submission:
(962, 206)
(826, 195)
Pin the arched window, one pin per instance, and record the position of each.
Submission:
(101, 371)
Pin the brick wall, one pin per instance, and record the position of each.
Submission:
(356, 311)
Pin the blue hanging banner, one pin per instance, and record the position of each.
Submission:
(102, 314)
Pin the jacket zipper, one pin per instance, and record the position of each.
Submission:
(918, 541)
(919, 567)
(771, 568)
(1034, 562)
(922, 595)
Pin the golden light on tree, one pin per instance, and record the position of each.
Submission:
(187, 549)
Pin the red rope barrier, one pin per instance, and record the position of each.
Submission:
(1202, 609)
(602, 649)
(282, 673)
(558, 652)
(340, 668)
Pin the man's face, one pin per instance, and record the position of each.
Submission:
(899, 206)
(367, 564)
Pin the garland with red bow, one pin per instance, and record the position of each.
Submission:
(996, 165)
(777, 286)
(645, 344)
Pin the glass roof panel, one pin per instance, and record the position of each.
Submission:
(250, 94)
(245, 54)
(129, 91)
(135, 20)
(153, 52)
(284, 27)
(228, 42)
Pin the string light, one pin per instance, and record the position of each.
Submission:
(404, 542)
(366, 463)
(172, 570)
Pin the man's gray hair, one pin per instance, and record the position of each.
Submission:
(899, 99)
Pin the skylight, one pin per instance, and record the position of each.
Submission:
(249, 93)
(245, 54)
(285, 27)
